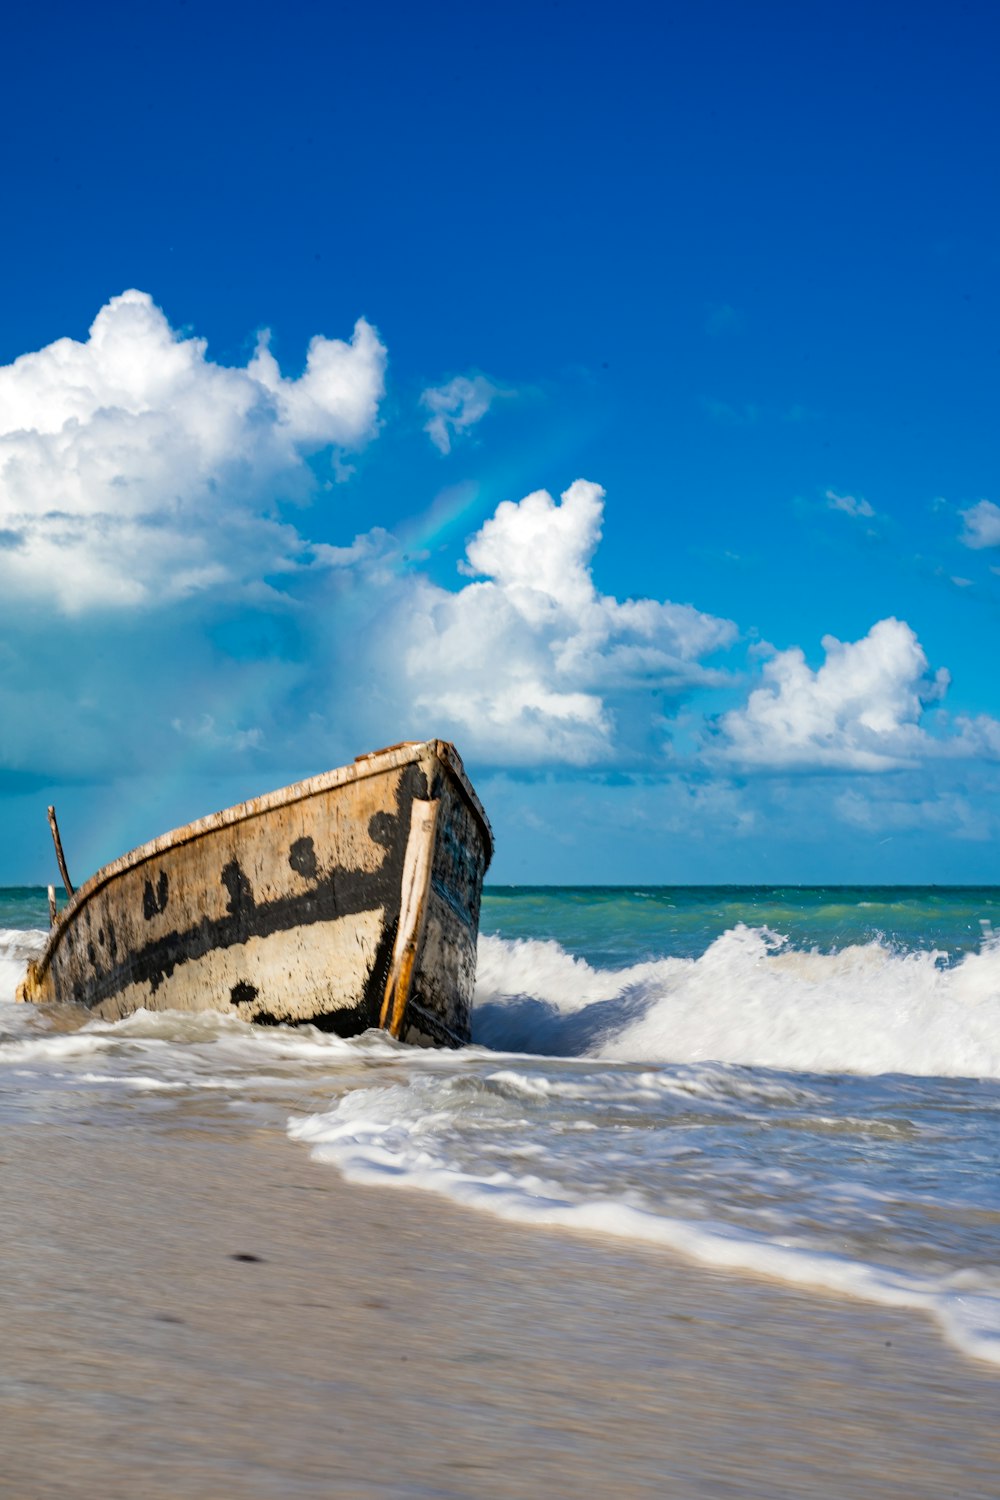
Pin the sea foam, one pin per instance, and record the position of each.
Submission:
(752, 999)
(16, 947)
(405, 1137)
(749, 999)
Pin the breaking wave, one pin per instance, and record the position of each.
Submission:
(751, 999)
(16, 947)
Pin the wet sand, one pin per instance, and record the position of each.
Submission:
(196, 1312)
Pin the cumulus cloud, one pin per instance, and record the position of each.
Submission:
(456, 406)
(981, 525)
(135, 470)
(522, 660)
(528, 663)
(859, 711)
(851, 505)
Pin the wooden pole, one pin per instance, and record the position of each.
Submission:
(59, 851)
(52, 906)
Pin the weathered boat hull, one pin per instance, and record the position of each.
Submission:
(350, 900)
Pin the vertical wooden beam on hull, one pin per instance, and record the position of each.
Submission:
(417, 863)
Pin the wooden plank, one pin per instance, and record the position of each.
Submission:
(417, 863)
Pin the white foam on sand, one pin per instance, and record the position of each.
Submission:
(421, 1136)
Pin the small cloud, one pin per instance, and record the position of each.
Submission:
(209, 734)
(368, 550)
(947, 813)
(851, 505)
(722, 319)
(731, 416)
(981, 525)
(456, 406)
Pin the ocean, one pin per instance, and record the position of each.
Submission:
(797, 1083)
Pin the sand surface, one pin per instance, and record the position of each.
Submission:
(384, 1343)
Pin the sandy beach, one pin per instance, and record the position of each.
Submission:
(198, 1313)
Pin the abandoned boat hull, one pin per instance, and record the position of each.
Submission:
(350, 900)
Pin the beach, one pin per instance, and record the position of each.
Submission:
(705, 1212)
(200, 1311)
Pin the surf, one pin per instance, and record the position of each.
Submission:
(752, 999)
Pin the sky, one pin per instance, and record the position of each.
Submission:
(610, 389)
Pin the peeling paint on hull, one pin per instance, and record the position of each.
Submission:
(341, 901)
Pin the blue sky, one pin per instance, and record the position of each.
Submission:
(723, 277)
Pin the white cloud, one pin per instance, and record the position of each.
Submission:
(209, 733)
(859, 711)
(529, 663)
(525, 663)
(978, 736)
(981, 525)
(134, 470)
(456, 406)
(851, 505)
(949, 812)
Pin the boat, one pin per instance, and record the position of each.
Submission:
(348, 901)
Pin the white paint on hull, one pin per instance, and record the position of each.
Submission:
(296, 973)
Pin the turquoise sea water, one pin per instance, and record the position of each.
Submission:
(616, 924)
(803, 1083)
(25, 906)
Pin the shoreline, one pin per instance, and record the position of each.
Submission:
(199, 1310)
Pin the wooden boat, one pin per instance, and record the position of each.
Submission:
(349, 900)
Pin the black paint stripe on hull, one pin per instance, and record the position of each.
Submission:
(340, 893)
